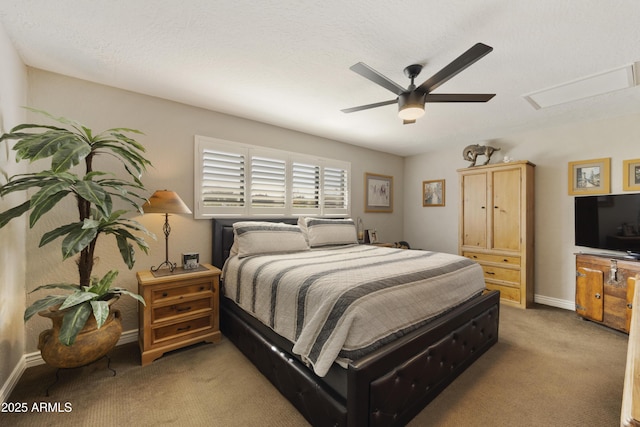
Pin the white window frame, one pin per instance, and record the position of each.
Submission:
(203, 143)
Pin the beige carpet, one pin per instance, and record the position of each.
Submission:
(549, 369)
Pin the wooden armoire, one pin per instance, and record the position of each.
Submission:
(496, 226)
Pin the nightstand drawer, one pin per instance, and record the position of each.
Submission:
(191, 287)
(181, 328)
(182, 308)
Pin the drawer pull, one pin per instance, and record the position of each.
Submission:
(505, 260)
(180, 309)
(598, 296)
(202, 288)
(165, 294)
(490, 272)
(186, 328)
(630, 306)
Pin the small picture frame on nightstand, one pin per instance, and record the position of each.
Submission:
(190, 260)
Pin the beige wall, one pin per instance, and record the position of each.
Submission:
(169, 129)
(13, 91)
(550, 149)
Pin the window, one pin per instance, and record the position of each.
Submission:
(233, 179)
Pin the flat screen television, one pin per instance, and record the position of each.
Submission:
(609, 222)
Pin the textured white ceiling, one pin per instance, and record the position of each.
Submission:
(287, 62)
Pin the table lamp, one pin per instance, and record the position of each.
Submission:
(165, 202)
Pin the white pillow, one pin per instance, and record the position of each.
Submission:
(330, 232)
(259, 237)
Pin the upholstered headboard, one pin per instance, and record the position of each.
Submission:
(223, 235)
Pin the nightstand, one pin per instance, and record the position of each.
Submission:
(182, 309)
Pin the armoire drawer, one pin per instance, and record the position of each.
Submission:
(506, 292)
(502, 274)
(498, 259)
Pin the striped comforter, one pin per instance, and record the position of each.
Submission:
(341, 303)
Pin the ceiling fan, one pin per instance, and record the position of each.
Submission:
(412, 99)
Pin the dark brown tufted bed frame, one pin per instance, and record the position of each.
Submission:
(387, 387)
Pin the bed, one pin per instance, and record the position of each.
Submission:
(386, 382)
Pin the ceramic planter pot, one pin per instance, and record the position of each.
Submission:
(90, 345)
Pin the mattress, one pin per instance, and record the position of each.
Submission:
(340, 303)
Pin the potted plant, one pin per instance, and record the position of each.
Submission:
(69, 148)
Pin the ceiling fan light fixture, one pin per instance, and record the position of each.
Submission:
(411, 113)
(411, 105)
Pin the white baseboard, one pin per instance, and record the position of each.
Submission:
(555, 302)
(13, 379)
(34, 359)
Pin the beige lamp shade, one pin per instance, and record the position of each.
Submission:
(165, 201)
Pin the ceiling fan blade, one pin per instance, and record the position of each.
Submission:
(472, 55)
(366, 107)
(459, 97)
(369, 73)
(408, 122)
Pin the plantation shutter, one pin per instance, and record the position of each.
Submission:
(268, 183)
(305, 188)
(335, 190)
(222, 181)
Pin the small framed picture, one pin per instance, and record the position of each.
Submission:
(373, 236)
(631, 175)
(378, 193)
(190, 260)
(433, 193)
(590, 177)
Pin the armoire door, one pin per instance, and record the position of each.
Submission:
(506, 209)
(474, 210)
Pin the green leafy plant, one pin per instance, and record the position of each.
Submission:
(94, 192)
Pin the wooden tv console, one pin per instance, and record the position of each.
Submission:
(604, 288)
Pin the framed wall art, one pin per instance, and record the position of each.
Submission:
(378, 193)
(590, 177)
(433, 193)
(631, 175)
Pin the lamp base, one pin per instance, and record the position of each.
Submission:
(170, 265)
